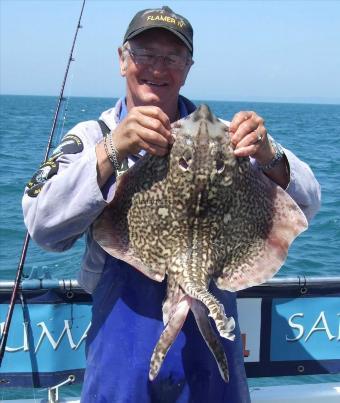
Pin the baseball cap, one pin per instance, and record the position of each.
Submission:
(161, 18)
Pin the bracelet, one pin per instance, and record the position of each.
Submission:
(279, 153)
(111, 153)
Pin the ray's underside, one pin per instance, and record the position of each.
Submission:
(199, 215)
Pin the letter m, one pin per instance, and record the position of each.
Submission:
(55, 343)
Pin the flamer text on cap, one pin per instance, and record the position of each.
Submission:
(161, 18)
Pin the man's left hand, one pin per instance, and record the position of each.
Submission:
(249, 137)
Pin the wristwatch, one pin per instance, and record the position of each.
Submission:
(279, 154)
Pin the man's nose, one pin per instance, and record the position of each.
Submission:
(158, 65)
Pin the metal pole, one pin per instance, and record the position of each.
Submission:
(27, 237)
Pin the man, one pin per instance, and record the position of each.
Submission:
(155, 59)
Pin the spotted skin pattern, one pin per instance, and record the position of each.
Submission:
(199, 215)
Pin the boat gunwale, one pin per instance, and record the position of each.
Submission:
(73, 285)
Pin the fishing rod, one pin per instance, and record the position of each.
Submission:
(20, 268)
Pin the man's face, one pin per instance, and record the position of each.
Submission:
(156, 84)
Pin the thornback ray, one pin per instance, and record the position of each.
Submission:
(200, 214)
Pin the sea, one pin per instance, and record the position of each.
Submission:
(311, 131)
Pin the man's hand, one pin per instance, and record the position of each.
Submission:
(144, 127)
(249, 137)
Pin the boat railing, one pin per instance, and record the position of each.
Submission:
(73, 284)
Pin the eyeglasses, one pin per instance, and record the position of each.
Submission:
(147, 58)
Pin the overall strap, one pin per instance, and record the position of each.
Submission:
(106, 131)
(104, 127)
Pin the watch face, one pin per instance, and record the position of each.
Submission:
(279, 153)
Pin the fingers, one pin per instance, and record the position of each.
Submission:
(246, 151)
(253, 138)
(243, 124)
(249, 135)
(153, 149)
(151, 141)
(239, 118)
(155, 119)
(249, 145)
(146, 127)
(155, 112)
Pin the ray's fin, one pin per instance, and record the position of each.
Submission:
(113, 229)
(211, 338)
(288, 221)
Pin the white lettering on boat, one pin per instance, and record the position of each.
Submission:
(24, 347)
(46, 334)
(320, 325)
(295, 326)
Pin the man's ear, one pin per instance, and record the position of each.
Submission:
(187, 69)
(122, 62)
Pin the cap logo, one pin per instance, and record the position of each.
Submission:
(170, 20)
(161, 18)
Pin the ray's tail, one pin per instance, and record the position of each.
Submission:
(168, 336)
(225, 325)
(210, 337)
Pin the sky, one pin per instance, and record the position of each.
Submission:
(287, 51)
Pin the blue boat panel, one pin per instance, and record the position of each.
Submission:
(289, 333)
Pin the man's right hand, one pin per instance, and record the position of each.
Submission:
(144, 127)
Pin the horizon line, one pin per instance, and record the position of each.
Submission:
(283, 100)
